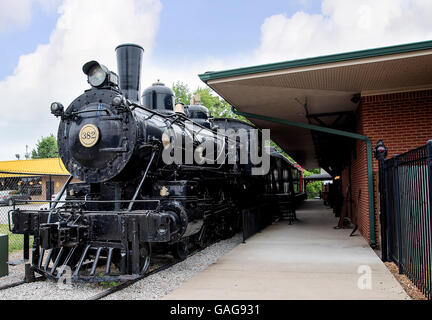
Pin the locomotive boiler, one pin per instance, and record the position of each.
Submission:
(145, 177)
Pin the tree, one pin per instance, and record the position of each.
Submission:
(313, 188)
(218, 107)
(46, 148)
(182, 92)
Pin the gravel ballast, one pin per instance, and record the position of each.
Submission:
(151, 288)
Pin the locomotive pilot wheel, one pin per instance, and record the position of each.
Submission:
(180, 249)
(145, 254)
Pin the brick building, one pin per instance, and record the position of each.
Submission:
(330, 111)
(403, 121)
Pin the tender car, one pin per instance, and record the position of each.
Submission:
(8, 197)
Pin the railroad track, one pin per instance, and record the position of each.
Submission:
(19, 283)
(119, 287)
(12, 285)
(128, 283)
(109, 291)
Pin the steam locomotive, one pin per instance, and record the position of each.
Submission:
(124, 200)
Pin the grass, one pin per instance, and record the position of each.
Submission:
(106, 284)
(16, 241)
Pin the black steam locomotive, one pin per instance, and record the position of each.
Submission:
(124, 200)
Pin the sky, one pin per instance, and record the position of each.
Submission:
(44, 43)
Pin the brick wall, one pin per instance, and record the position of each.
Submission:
(404, 122)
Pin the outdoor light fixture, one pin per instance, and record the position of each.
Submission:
(380, 150)
(57, 109)
(356, 98)
(99, 75)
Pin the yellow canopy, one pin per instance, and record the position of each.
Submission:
(53, 166)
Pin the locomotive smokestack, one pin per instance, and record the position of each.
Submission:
(129, 60)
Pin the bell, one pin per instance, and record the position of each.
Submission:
(179, 108)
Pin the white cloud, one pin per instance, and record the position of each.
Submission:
(17, 13)
(85, 30)
(344, 25)
(88, 30)
(14, 12)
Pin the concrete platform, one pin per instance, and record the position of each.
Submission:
(306, 260)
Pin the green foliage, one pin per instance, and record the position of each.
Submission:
(310, 172)
(313, 189)
(16, 241)
(182, 92)
(106, 284)
(46, 148)
(218, 107)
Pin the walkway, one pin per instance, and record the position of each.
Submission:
(306, 260)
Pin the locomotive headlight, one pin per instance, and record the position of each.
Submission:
(97, 73)
(96, 76)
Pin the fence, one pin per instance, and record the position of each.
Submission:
(26, 191)
(408, 197)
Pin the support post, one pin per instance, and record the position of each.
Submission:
(380, 152)
(429, 168)
(398, 215)
(291, 190)
(386, 192)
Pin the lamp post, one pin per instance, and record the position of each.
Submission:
(380, 152)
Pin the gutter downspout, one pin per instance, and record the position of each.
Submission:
(339, 133)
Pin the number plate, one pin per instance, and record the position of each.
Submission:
(89, 135)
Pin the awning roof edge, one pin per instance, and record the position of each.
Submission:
(354, 55)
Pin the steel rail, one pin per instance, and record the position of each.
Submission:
(128, 283)
(13, 284)
(19, 283)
